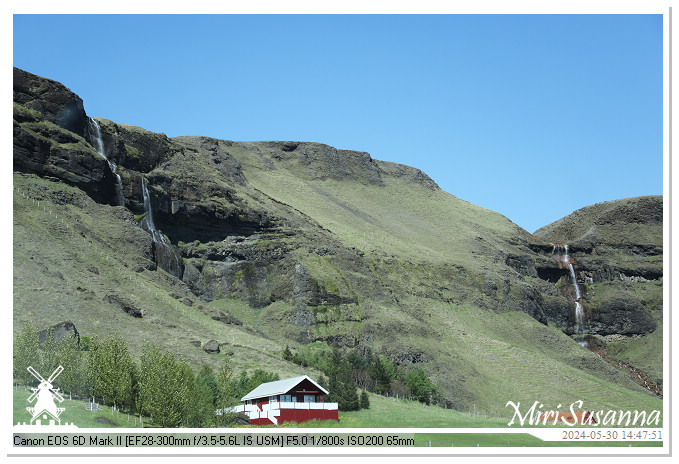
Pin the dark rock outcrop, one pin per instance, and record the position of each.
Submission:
(51, 101)
(51, 137)
(134, 148)
(227, 318)
(126, 306)
(59, 332)
(618, 316)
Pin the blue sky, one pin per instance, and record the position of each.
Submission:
(530, 116)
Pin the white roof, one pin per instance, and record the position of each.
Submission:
(278, 387)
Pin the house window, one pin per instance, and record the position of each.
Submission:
(309, 399)
(286, 398)
(272, 399)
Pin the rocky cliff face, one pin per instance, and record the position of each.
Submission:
(51, 137)
(617, 250)
(617, 247)
(332, 246)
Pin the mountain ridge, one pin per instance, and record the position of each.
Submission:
(306, 244)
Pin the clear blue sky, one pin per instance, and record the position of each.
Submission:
(530, 116)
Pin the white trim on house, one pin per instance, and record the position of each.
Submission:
(272, 411)
(278, 387)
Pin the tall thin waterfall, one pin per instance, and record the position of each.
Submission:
(98, 143)
(147, 221)
(560, 252)
(567, 260)
(165, 253)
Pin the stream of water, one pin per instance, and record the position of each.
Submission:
(579, 311)
(166, 255)
(147, 221)
(98, 143)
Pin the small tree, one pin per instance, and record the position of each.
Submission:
(207, 377)
(26, 353)
(191, 404)
(420, 386)
(49, 355)
(383, 372)
(287, 354)
(260, 376)
(343, 391)
(206, 394)
(399, 389)
(164, 391)
(323, 382)
(69, 356)
(226, 398)
(364, 401)
(113, 371)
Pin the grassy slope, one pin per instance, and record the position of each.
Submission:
(500, 356)
(54, 281)
(407, 221)
(628, 221)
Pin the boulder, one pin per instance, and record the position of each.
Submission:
(211, 347)
(126, 306)
(59, 332)
(240, 419)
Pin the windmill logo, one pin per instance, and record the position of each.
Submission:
(45, 407)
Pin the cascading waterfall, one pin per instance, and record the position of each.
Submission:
(579, 311)
(147, 221)
(567, 260)
(98, 143)
(166, 255)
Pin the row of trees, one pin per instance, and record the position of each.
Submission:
(161, 386)
(165, 388)
(349, 371)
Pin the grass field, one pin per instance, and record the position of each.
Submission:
(75, 413)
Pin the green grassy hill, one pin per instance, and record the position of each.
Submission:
(485, 358)
(299, 244)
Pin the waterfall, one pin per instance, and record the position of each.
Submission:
(98, 144)
(580, 324)
(560, 252)
(567, 260)
(165, 253)
(147, 221)
(95, 132)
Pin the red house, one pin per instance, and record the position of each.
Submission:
(298, 399)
